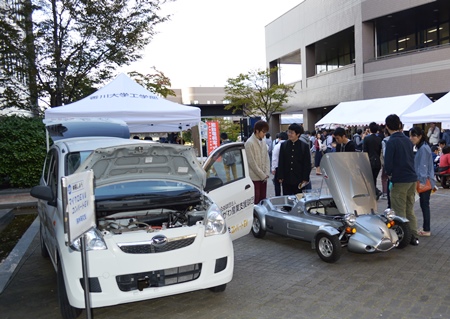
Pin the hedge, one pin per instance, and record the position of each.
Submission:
(22, 149)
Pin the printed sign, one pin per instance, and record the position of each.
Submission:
(78, 201)
(213, 135)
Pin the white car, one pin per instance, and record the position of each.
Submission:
(164, 222)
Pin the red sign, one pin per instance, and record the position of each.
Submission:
(213, 135)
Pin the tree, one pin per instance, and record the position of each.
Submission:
(156, 82)
(253, 94)
(75, 45)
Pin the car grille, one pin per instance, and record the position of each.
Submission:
(159, 278)
(149, 247)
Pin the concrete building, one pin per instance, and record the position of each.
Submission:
(347, 50)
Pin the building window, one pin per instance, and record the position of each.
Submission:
(414, 29)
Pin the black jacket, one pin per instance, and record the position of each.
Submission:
(294, 162)
(372, 145)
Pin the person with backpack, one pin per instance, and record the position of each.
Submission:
(357, 139)
(372, 145)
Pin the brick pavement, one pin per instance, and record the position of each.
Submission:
(278, 277)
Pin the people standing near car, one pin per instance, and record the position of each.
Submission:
(275, 156)
(444, 165)
(384, 177)
(434, 134)
(399, 166)
(372, 145)
(343, 144)
(294, 163)
(258, 159)
(423, 164)
(268, 141)
(357, 139)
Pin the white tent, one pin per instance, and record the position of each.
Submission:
(439, 111)
(141, 109)
(364, 112)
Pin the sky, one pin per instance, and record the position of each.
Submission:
(208, 41)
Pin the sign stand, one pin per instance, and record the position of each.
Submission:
(87, 299)
(79, 218)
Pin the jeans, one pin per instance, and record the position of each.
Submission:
(402, 202)
(425, 206)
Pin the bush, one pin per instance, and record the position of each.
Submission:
(22, 149)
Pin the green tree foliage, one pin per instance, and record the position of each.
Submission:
(253, 94)
(23, 149)
(76, 46)
(156, 82)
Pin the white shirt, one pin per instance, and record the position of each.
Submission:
(276, 154)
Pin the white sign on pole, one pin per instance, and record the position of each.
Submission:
(78, 203)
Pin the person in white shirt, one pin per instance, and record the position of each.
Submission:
(434, 134)
(275, 156)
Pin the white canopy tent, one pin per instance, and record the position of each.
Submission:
(141, 109)
(439, 111)
(363, 112)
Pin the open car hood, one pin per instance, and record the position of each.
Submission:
(348, 176)
(145, 161)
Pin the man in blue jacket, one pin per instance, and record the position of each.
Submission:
(399, 166)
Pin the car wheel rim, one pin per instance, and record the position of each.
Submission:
(256, 225)
(325, 247)
(399, 232)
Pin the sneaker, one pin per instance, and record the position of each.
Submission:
(423, 233)
(384, 196)
(414, 241)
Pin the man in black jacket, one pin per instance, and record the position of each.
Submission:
(372, 145)
(294, 163)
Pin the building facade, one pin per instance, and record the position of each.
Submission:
(347, 50)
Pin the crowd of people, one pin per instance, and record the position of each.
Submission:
(406, 160)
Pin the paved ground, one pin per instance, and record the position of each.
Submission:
(278, 277)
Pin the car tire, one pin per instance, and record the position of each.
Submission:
(404, 234)
(328, 247)
(257, 230)
(220, 288)
(67, 311)
(44, 250)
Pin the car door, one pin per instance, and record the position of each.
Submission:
(236, 195)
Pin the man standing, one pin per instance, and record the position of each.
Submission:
(372, 145)
(294, 163)
(343, 143)
(275, 156)
(434, 134)
(228, 159)
(258, 160)
(399, 166)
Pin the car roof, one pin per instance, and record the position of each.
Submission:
(62, 128)
(79, 144)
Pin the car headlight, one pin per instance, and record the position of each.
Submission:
(94, 241)
(215, 223)
(389, 213)
(350, 219)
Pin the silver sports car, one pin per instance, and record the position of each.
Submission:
(344, 215)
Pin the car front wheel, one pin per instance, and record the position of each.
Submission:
(257, 230)
(67, 311)
(328, 248)
(404, 234)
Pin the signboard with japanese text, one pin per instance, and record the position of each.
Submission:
(78, 203)
(213, 135)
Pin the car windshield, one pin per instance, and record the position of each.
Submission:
(74, 160)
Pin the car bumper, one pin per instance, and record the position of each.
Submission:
(119, 277)
(362, 244)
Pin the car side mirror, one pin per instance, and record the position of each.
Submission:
(44, 193)
(213, 183)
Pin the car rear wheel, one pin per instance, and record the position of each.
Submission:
(328, 248)
(44, 251)
(404, 234)
(67, 311)
(257, 230)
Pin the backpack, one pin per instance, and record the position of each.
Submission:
(228, 158)
(358, 143)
